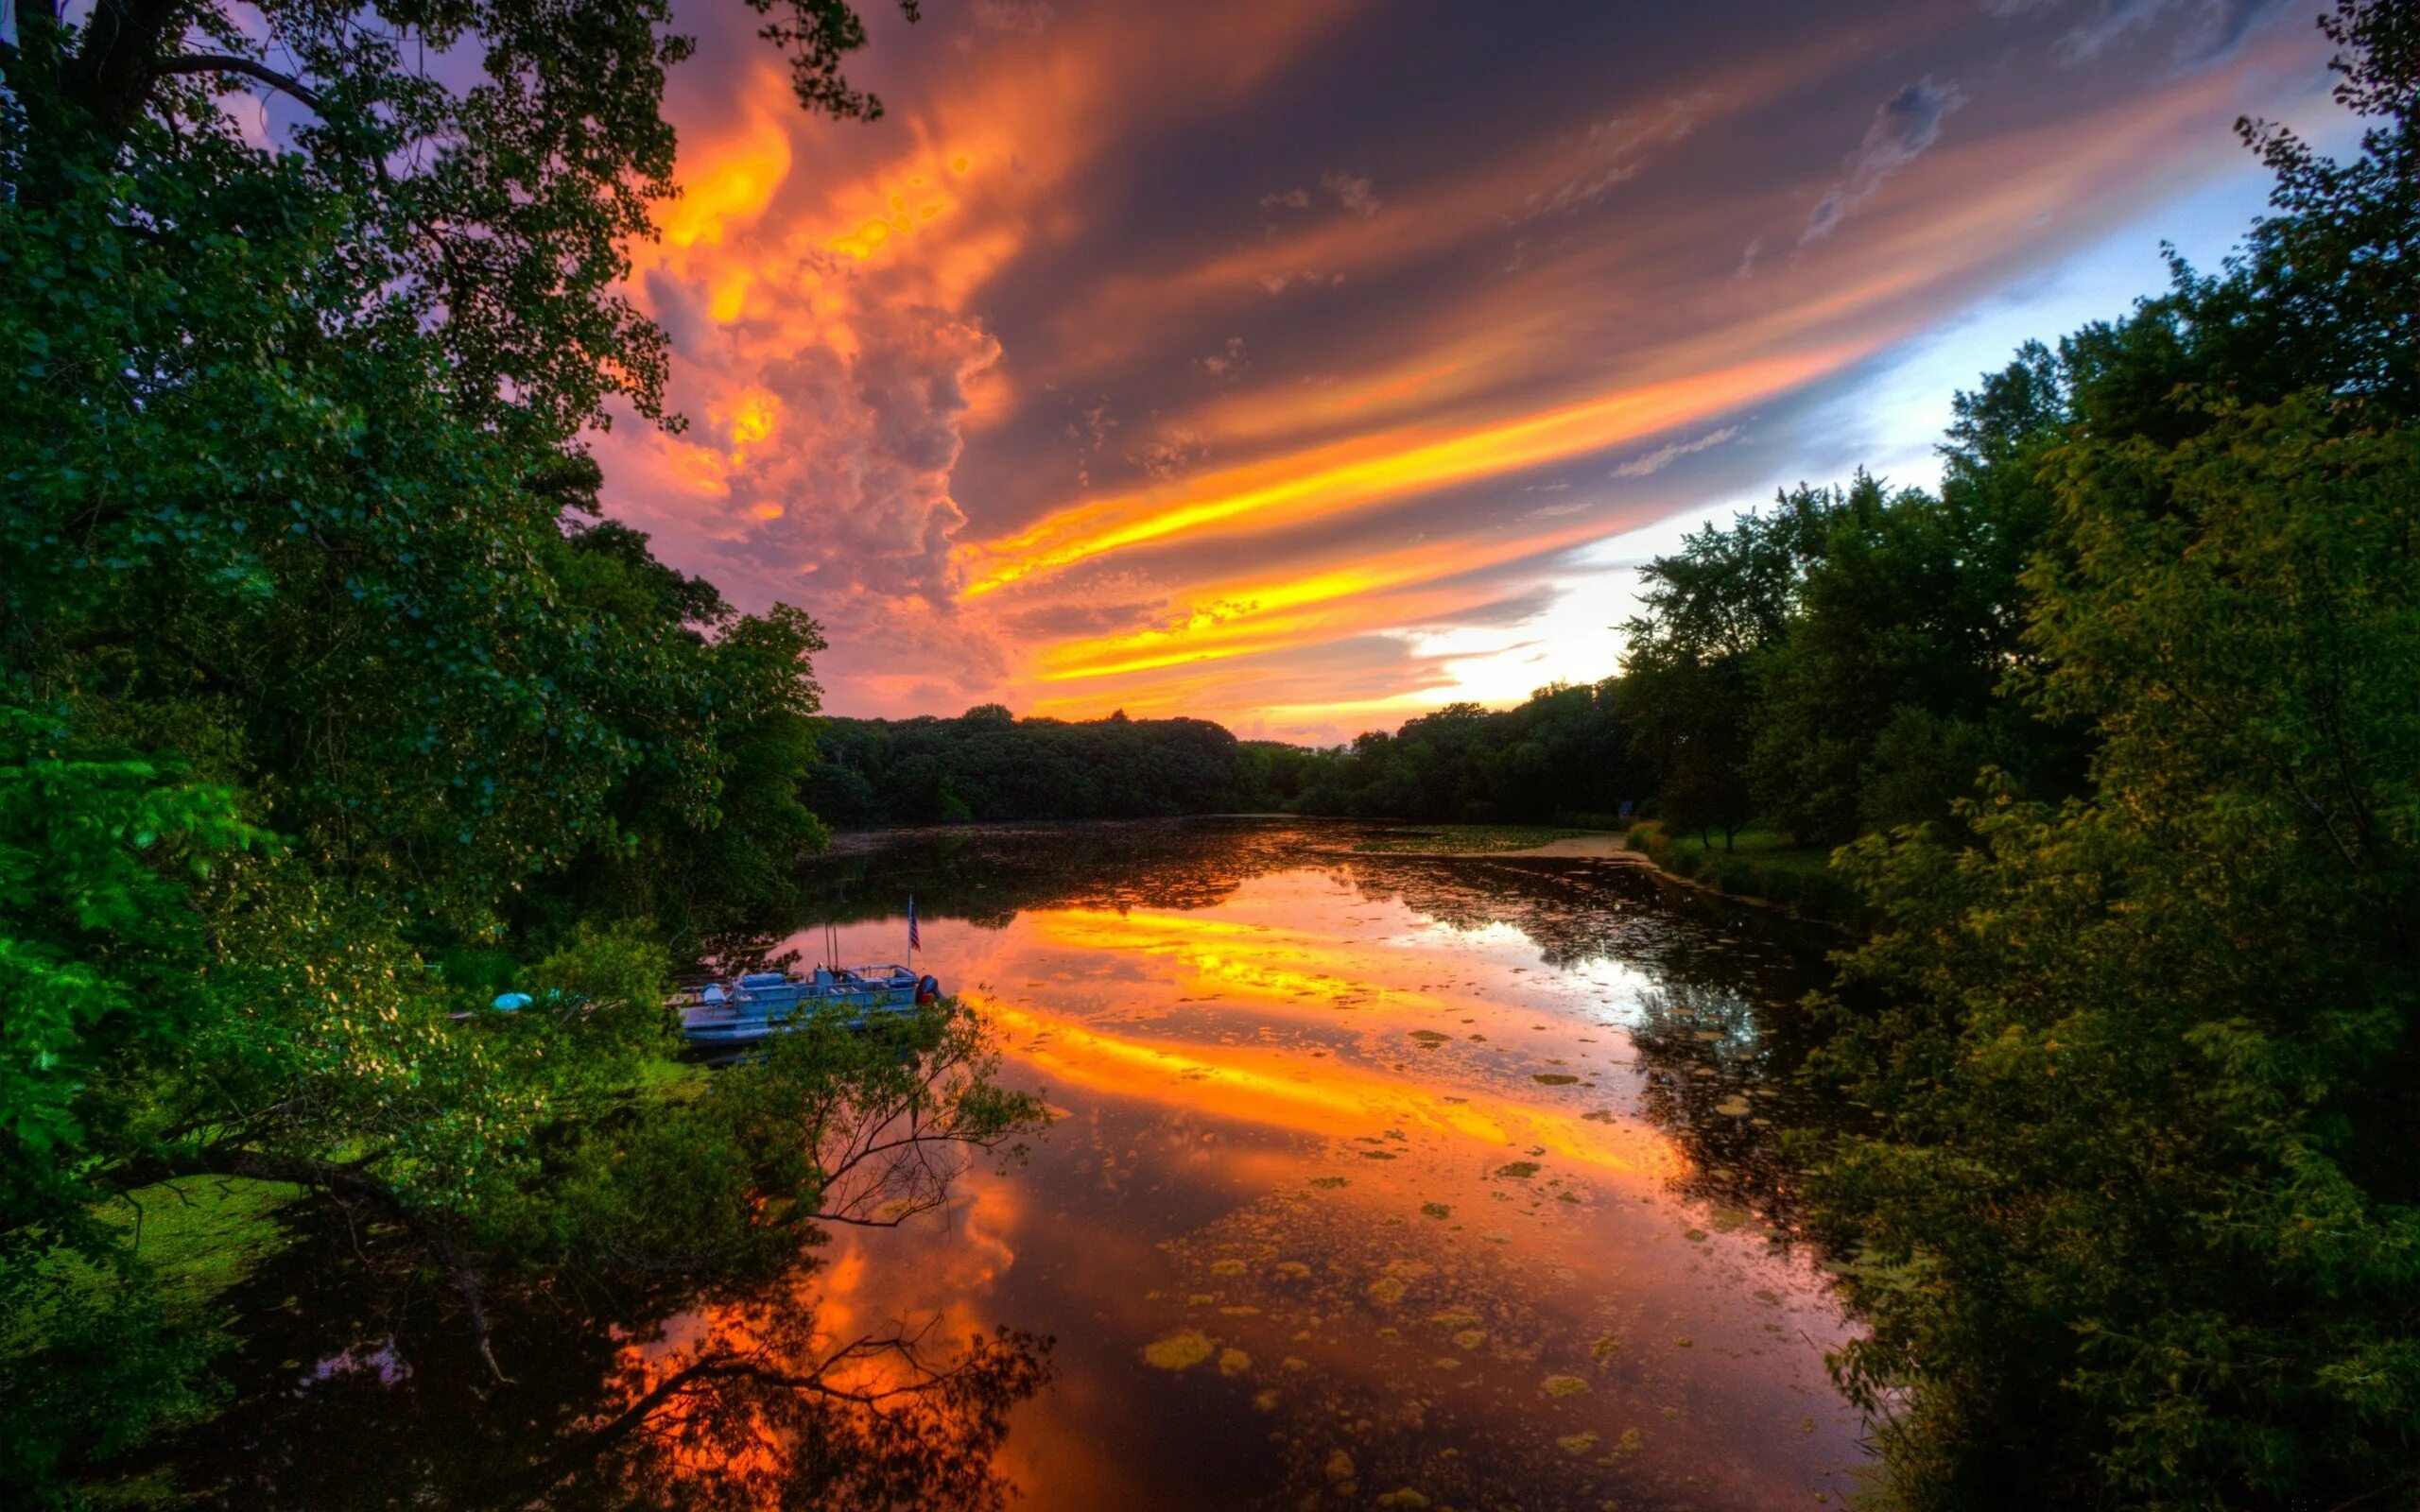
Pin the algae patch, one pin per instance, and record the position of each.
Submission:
(1180, 1350)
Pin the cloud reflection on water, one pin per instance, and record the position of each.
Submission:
(1318, 1107)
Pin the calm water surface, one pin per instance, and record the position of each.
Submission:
(1376, 1172)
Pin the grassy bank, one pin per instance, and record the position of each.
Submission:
(1760, 865)
(1465, 839)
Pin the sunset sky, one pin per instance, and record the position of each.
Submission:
(1307, 364)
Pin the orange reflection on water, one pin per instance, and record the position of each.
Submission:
(1250, 957)
(1326, 1098)
(1388, 1168)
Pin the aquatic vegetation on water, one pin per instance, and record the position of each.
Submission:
(1180, 1350)
(1564, 1387)
(1518, 1170)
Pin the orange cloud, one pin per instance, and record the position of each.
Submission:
(881, 333)
(1365, 472)
(1246, 618)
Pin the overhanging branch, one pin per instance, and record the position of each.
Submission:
(230, 63)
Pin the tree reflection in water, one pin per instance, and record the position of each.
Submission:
(648, 1350)
(759, 1410)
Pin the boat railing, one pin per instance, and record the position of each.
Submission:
(757, 992)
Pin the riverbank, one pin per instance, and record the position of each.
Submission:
(1760, 866)
(1445, 840)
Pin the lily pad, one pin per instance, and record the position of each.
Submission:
(1329, 1183)
(1180, 1350)
(1564, 1387)
(1439, 1210)
(1233, 1362)
(1518, 1170)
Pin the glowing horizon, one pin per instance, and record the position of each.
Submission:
(1191, 363)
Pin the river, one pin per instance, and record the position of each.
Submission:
(1447, 1179)
(1380, 1177)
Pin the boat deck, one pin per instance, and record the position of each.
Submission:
(762, 1003)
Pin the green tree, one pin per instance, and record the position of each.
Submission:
(315, 666)
(2135, 1223)
(1714, 612)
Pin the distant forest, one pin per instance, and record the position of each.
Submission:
(988, 764)
(1563, 756)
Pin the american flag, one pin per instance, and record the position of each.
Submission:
(915, 942)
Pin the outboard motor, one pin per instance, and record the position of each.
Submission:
(928, 991)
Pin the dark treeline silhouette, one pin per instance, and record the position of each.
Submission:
(1567, 754)
(987, 764)
(1564, 755)
(1838, 664)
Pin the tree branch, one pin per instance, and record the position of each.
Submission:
(230, 63)
(111, 76)
(569, 1459)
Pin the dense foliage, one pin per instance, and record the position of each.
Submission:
(1563, 755)
(326, 704)
(1833, 667)
(2126, 720)
(988, 764)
